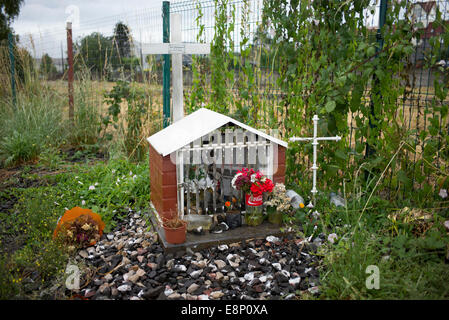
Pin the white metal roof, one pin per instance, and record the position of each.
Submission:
(194, 126)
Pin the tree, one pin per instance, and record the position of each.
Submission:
(47, 66)
(9, 9)
(122, 41)
(94, 51)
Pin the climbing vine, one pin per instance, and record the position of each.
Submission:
(322, 57)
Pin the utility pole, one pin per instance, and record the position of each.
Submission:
(70, 72)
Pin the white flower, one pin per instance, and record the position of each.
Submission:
(316, 214)
(134, 177)
(130, 173)
(80, 182)
(446, 224)
(113, 171)
(443, 193)
(83, 202)
(96, 184)
(234, 179)
(92, 187)
(253, 178)
(332, 237)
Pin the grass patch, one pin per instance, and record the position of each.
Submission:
(411, 256)
(33, 259)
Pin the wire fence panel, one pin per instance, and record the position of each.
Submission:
(244, 65)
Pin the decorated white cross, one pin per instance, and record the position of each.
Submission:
(176, 48)
(315, 140)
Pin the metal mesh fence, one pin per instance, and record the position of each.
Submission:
(107, 58)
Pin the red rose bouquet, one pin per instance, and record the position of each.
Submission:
(252, 182)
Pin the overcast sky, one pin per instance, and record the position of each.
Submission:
(46, 20)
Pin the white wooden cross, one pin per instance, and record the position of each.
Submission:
(176, 48)
(315, 140)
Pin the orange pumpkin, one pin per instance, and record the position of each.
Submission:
(74, 213)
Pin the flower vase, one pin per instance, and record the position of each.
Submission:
(274, 216)
(254, 210)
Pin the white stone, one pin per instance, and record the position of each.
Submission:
(219, 276)
(277, 266)
(168, 291)
(294, 281)
(192, 288)
(180, 268)
(285, 273)
(213, 267)
(124, 288)
(272, 239)
(170, 263)
(216, 294)
(195, 274)
(174, 295)
(220, 264)
(249, 276)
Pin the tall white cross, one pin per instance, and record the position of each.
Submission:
(315, 140)
(176, 48)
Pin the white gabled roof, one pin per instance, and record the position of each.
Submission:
(194, 126)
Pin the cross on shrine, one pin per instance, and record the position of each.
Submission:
(315, 140)
(176, 48)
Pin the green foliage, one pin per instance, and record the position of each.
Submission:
(86, 121)
(103, 55)
(122, 40)
(92, 52)
(31, 127)
(8, 11)
(47, 67)
(197, 94)
(331, 65)
(107, 188)
(222, 57)
(138, 103)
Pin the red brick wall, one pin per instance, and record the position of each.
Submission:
(163, 184)
(279, 162)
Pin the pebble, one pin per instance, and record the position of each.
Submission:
(249, 276)
(223, 247)
(272, 239)
(277, 266)
(216, 294)
(132, 265)
(220, 264)
(124, 288)
(192, 288)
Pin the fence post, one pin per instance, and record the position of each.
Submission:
(62, 60)
(70, 71)
(166, 68)
(13, 68)
(380, 42)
